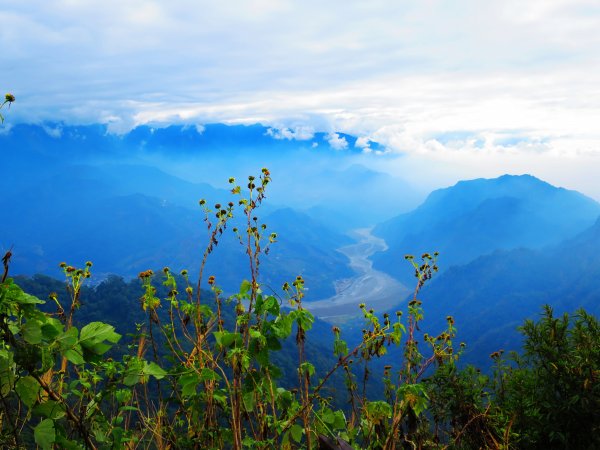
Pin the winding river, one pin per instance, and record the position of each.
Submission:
(376, 289)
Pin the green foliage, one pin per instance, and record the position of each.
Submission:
(201, 370)
(552, 391)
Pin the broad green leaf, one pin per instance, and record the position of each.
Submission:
(45, 434)
(340, 421)
(27, 389)
(189, 388)
(50, 409)
(52, 328)
(249, 401)
(245, 287)
(32, 332)
(308, 368)
(75, 354)
(68, 338)
(207, 374)
(7, 374)
(296, 431)
(226, 339)
(155, 370)
(66, 444)
(272, 305)
(96, 332)
(134, 373)
(328, 417)
(123, 395)
(131, 378)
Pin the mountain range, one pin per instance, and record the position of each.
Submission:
(477, 217)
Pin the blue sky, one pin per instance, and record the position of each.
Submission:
(453, 89)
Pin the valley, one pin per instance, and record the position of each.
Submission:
(376, 289)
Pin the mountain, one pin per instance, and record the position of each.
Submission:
(310, 171)
(130, 233)
(477, 217)
(493, 295)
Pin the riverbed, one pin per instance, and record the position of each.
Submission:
(372, 287)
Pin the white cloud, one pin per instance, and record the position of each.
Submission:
(336, 142)
(55, 132)
(363, 143)
(300, 133)
(435, 80)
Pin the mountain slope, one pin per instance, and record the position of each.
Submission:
(479, 216)
(492, 295)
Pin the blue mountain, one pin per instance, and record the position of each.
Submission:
(477, 217)
(492, 295)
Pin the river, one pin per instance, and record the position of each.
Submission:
(376, 289)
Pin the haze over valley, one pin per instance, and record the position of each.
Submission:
(130, 202)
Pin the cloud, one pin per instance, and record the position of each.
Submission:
(336, 142)
(300, 133)
(431, 81)
(55, 132)
(363, 143)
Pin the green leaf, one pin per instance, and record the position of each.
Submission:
(188, 382)
(245, 287)
(45, 434)
(28, 389)
(226, 339)
(296, 431)
(68, 338)
(52, 328)
(328, 417)
(93, 334)
(32, 332)
(308, 368)
(272, 305)
(304, 319)
(134, 372)
(50, 409)
(155, 370)
(209, 375)
(75, 355)
(249, 401)
(67, 444)
(123, 395)
(340, 421)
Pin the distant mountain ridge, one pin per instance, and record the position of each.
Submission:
(311, 171)
(477, 217)
(492, 295)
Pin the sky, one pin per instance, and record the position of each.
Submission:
(452, 89)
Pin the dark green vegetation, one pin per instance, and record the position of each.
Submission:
(198, 369)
